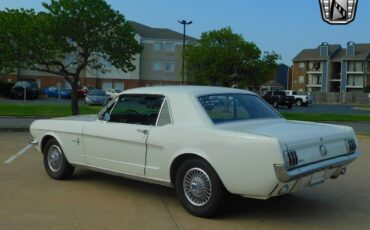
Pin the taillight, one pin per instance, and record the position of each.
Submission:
(291, 158)
(350, 145)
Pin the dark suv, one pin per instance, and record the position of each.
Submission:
(279, 97)
(18, 90)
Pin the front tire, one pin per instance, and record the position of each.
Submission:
(55, 162)
(199, 188)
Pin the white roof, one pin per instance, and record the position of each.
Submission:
(185, 89)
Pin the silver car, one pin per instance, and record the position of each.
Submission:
(96, 97)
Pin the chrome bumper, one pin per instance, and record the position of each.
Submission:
(33, 142)
(285, 176)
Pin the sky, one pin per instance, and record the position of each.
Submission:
(283, 26)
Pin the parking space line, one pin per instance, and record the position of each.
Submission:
(18, 154)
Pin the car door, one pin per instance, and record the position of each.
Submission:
(117, 140)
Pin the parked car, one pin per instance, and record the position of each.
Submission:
(245, 147)
(112, 93)
(300, 99)
(20, 87)
(279, 97)
(96, 97)
(54, 92)
(82, 92)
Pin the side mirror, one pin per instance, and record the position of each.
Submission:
(106, 116)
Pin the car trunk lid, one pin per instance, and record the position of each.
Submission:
(311, 142)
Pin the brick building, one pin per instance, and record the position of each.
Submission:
(331, 68)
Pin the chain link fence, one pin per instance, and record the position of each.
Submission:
(341, 98)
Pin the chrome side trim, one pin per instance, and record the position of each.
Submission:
(127, 176)
(285, 176)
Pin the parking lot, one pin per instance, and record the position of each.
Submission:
(29, 199)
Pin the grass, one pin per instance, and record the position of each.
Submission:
(30, 110)
(26, 110)
(363, 134)
(326, 117)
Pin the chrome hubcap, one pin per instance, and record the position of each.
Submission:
(197, 187)
(55, 158)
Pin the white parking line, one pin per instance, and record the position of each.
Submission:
(15, 156)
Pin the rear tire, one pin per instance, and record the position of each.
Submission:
(55, 162)
(276, 104)
(199, 188)
(299, 102)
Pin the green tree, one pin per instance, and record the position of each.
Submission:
(224, 58)
(70, 36)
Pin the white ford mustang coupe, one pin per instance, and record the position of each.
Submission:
(203, 141)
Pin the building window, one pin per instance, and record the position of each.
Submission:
(314, 66)
(169, 47)
(301, 65)
(301, 79)
(157, 66)
(355, 66)
(157, 46)
(355, 80)
(169, 66)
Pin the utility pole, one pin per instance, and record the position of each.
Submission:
(184, 23)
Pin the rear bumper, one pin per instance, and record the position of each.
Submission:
(284, 175)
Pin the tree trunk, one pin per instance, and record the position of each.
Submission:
(74, 96)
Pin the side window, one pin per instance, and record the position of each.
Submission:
(137, 109)
(164, 116)
(224, 108)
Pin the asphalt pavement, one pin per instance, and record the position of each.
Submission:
(326, 108)
(29, 199)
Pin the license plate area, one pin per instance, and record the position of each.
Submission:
(317, 178)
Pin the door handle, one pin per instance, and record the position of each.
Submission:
(145, 131)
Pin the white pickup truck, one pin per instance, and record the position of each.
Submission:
(300, 100)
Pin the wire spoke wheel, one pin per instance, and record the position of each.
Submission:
(197, 187)
(55, 158)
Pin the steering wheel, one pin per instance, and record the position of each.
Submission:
(131, 111)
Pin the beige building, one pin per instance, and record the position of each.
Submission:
(160, 63)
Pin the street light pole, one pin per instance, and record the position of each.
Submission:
(184, 23)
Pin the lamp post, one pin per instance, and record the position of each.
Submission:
(184, 23)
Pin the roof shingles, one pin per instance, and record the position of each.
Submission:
(157, 33)
(336, 53)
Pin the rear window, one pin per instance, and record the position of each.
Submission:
(236, 107)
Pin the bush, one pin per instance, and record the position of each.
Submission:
(5, 88)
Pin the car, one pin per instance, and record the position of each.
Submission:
(82, 92)
(171, 136)
(96, 97)
(54, 92)
(278, 98)
(25, 86)
(112, 93)
(300, 99)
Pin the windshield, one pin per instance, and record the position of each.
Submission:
(236, 107)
